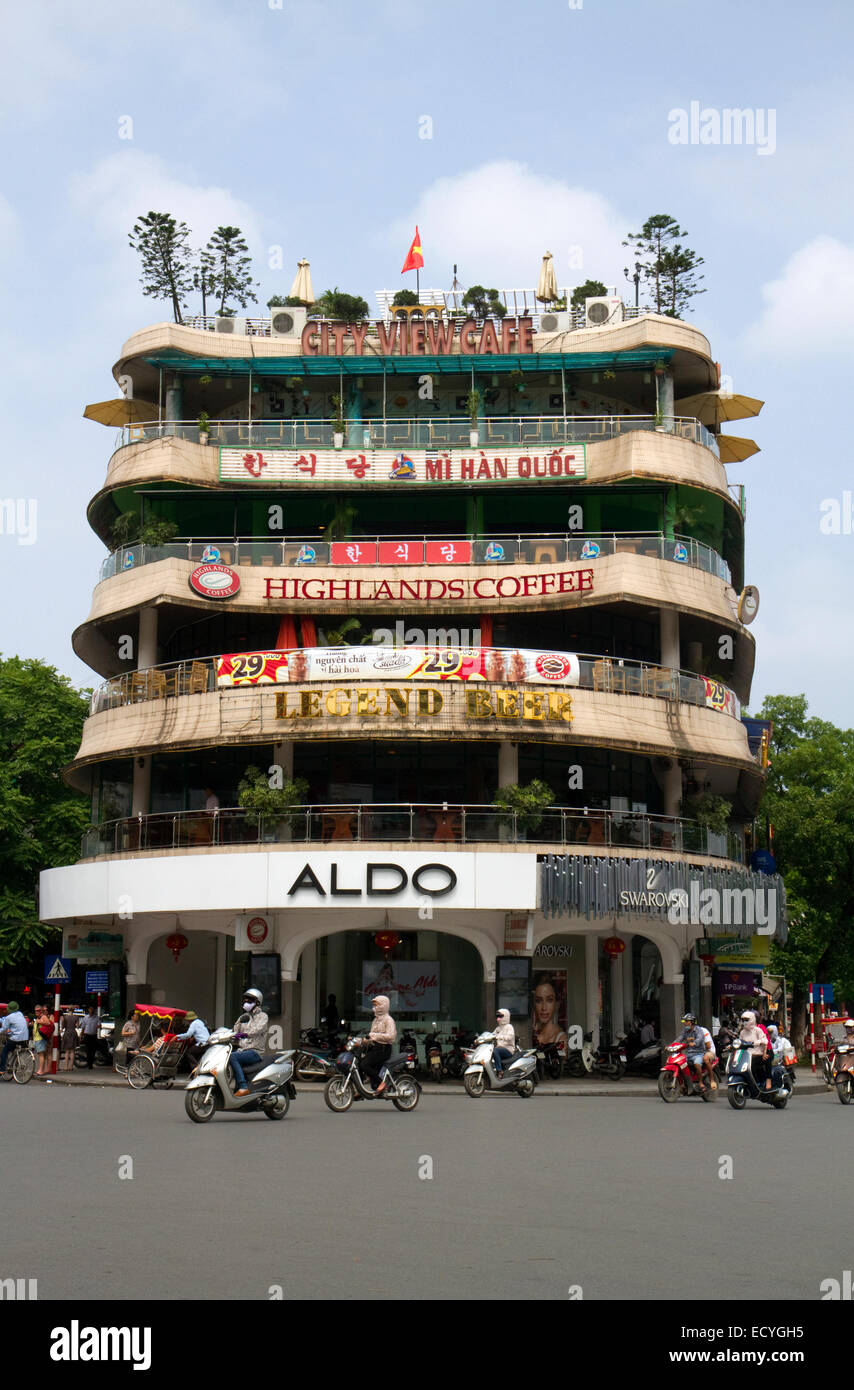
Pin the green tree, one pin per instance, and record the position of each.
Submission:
(591, 289)
(204, 281)
(163, 247)
(231, 268)
(41, 821)
(346, 308)
(404, 298)
(484, 303)
(669, 268)
(809, 808)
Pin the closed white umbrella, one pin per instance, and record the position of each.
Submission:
(547, 283)
(301, 288)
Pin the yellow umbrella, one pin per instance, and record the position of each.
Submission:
(735, 450)
(711, 407)
(301, 288)
(547, 283)
(120, 412)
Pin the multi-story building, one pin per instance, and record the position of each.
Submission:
(414, 562)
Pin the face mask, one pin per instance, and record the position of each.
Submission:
(249, 1005)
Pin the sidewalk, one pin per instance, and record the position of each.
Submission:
(628, 1086)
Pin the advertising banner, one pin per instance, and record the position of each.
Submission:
(397, 663)
(719, 697)
(411, 986)
(409, 469)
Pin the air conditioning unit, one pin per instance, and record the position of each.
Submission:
(600, 313)
(237, 327)
(560, 322)
(287, 322)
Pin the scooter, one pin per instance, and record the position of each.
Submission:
(458, 1058)
(519, 1074)
(610, 1061)
(843, 1074)
(212, 1086)
(348, 1085)
(549, 1061)
(647, 1060)
(313, 1064)
(743, 1086)
(433, 1055)
(409, 1045)
(678, 1078)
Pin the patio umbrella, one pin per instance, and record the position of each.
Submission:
(547, 284)
(120, 412)
(711, 407)
(736, 450)
(301, 288)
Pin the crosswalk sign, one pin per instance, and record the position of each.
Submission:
(57, 970)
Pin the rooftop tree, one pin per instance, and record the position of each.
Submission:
(231, 273)
(591, 289)
(669, 268)
(163, 247)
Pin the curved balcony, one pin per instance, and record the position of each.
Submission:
(423, 432)
(205, 675)
(445, 823)
(500, 549)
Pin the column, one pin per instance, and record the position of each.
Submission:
(628, 978)
(174, 401)
(694, 656)
(283, 757)
(671, 786)
(672, 1004)
(308, 981)
(616, 985)
(508, 764)
(591, 984)
(665, 397)
(354, 414)
(291, 996)
(669, 637)
(146, 645)
(141, 794)
(336, 974)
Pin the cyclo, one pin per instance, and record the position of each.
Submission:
(158, 1054)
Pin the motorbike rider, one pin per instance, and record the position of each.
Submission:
(250, 1028)
(698, 1046)
(505, 1040)
(14, 1028)
(383, 1033)
(755, 1038)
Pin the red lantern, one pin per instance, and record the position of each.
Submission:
(387, 941)
(176, 943)
(613, 946)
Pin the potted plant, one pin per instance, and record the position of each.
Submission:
(473, 401)
(272, 808)
(157, 531)
(528, 803)
(204, 423)
(339, 422)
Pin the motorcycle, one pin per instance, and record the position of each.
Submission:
(549, 1061)
(843, 1075)
(458, 1058)
(678, 1078)
(586, 1060)
(647, 1060)
(743, 1086)
(519, 1075)
(409, 1045)
(433, 1055)
(348, 1084)
(211, 1086)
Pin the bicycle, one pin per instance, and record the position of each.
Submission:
(20, 1064)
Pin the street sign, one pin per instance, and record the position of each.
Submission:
(57, 970)
(97, 982)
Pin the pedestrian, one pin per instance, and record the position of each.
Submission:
(130, 1033)
(42, 1035)
(91, 1023)
(331, 1017)
(68, 1038)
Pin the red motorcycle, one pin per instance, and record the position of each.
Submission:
(677, 1078)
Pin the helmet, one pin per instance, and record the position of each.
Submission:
(849, 1022)
(255, 995)
(689, 1018)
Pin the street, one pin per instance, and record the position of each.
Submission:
(621, 1197)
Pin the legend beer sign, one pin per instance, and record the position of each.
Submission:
(411, 468)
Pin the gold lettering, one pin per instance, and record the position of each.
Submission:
(398, 698)
(367, 702)
(309, 705)
(533, 704)
(560, 707)
(507, 704)
(338, 701)
(430, 702)
(478, 704)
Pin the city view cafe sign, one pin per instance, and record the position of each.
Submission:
(418, 338)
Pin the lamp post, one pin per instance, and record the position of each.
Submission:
(634, 279)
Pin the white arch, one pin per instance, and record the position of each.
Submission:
(669, 949)
(292, 949)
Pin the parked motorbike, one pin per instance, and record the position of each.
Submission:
(409, 1045)
(212, 1086)
(743, 1086)
(549, 1061)
(103, 1053)
(647, 1060)
(348, 1084)
(519, 1075)
(457, 1059)
(610, 1061)
(433, 1055)
(678, 1078)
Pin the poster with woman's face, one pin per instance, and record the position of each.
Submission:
(548, 1007)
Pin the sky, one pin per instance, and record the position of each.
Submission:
(552, 126)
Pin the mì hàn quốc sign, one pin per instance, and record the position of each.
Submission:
(412, 468)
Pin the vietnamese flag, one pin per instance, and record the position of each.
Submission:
(415, 260)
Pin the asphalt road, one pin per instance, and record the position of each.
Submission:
(621, 1196)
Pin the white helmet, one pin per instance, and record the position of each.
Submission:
(255, 995)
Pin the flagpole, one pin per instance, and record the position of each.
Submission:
(418, 283)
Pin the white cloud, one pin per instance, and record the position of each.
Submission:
(809, 310)
(495, 222)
